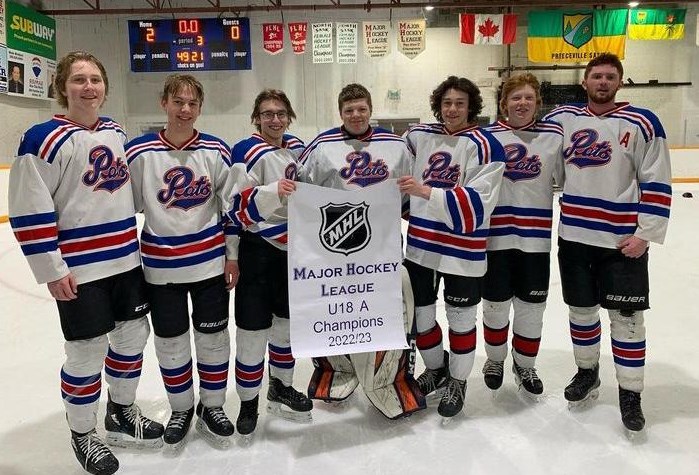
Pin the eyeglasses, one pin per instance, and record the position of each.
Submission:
(269, 115)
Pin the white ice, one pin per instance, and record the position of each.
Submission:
(507, 434)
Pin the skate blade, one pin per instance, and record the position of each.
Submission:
(448, 420)
(636, 436)
(527, 396)
(246, 440)
(279, 410)
(216, 441)
(118, 439)
(173, 450)
(584, 403)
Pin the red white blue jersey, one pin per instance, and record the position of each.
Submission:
(448, 232)
(70, 201)
(183, 193)
(259, 208)
(523, 216)
(617, 175)
(336, 159)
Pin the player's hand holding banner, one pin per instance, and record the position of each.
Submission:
(345, 270)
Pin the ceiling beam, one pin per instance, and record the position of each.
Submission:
(217, 8)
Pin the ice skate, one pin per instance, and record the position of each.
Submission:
(287, 403)
(583, 388)
(528, 381)
(213, 424)
(433, 381)
(94, 456)
(247, 419)
(452, 401)
(127, 427)
(175, 436)
(631, 414)
(493, 374)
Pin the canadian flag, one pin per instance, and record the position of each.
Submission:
(485, 29)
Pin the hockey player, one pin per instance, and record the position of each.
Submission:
(453, 190)
(351, 157)
(183, 183)
(519, 240)
(616, 199)
(262, 295)
(72, 212)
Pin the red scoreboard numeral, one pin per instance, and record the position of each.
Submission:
(150, 35)
(235, 32)
(188, 26)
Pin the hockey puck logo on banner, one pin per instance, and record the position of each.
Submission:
(345, 228)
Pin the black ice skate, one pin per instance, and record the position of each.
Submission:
(583, 387)
(94, 456)
(288, 403)
(452, 400)
(175, 436)
(493, 374)
(432, 380)
(528, 380)
(631, 412)
(127, 427)
(213, 424)
(247, 417)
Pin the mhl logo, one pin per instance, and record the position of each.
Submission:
(345, 227)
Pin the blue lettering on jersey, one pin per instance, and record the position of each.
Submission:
(585, 151)
(108, 173)
(362, 170)
(439, 173)
(518, 166)
(183, 190)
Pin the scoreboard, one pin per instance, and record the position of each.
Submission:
(190, 44)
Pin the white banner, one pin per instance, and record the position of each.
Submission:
(322, 42)
(345, 270)
(411, 37)
(376, 38)
(346, 43)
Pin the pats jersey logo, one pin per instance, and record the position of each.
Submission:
(345, 227)
(519, 166)
(291, 172)
(586, 150)
(439, 172)
(183, 189)
(361, 170)
(108, 173)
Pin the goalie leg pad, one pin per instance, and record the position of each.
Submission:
(334, 378)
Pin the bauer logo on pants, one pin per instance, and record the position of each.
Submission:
(345, 228)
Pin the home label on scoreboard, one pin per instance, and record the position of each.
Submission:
(190, 44)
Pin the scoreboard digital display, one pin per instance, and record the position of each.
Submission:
(190, 44)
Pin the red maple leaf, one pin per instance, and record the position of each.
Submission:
(488, 28)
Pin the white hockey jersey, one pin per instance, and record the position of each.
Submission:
(523, 216)
(70, 201)
(448, 232)
(259, 209)
(617, 175)
(336, 159)
(183, 193)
